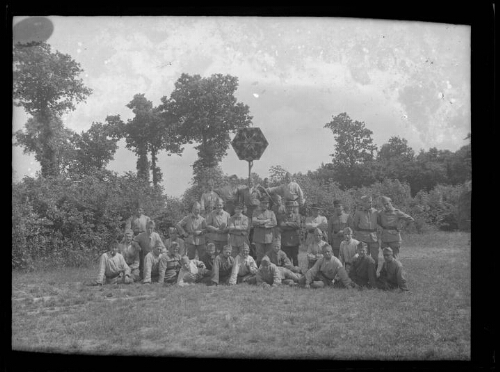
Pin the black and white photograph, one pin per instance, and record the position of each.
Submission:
(241, 187)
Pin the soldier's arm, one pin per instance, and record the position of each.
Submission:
(342, 273)
(405, 217)
(162, 267)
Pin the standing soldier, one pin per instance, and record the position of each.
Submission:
(193, 228)
(147, 241)
(365, 226)
(238, 231)
(217, 224)
(289, 226)
(229, 194)
(263, 221)
(389, 219)
(249, 197)
(316, 221)
(137, 222)
(338, 222)
(289, 191)
(208, 199)
(279, 210)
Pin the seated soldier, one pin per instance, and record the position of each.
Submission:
(348, 249)
(315, 248)
(209, 256)
(244, 268)
(325, 271)
(112, 267)
(170, 264)
(191, 272)
(391, 275)
(270, 274)
(152, 264)
(362, 270)
(278, 257)
(223, 265)
(130, 251)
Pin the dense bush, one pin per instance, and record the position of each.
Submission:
(72, 221)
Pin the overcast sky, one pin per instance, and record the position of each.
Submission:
(407, 79)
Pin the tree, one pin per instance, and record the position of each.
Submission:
(353, 151)
(93, 149)
(55, 152)
(277, 174)
(45, 84)
(396, 148)
(149, 132)
(207, 111)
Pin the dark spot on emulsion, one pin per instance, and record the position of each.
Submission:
(32, 30)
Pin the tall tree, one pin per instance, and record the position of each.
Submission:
(34, 140)
(354, 150)
(93, 149)
(46, 85)
(207, 111)
(149, 132)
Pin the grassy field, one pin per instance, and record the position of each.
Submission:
(53, 312)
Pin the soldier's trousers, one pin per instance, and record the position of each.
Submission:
(261, 250)
(192, 249)
(292, 253)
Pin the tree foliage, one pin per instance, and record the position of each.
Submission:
(206, 111)
(93, 149)
(46, 85)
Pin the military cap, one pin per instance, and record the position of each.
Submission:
(239, 206)
(387, 250)
(337, 202)
(291, 203)
(385, 199)
(366, 197)
(315, 206)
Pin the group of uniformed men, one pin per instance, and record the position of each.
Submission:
(228, 221)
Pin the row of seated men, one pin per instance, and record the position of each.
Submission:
(354, 269)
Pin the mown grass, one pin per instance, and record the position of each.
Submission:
(53, 311)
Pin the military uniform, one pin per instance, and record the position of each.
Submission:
(362, 272)
(389, 221)
(131, 253)
(169, 267)
(222, 267)
(113, 269)
(336, 226)
(392, 276)
(220, 221)
(289, 226)
(326, 271)
(365, 229)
